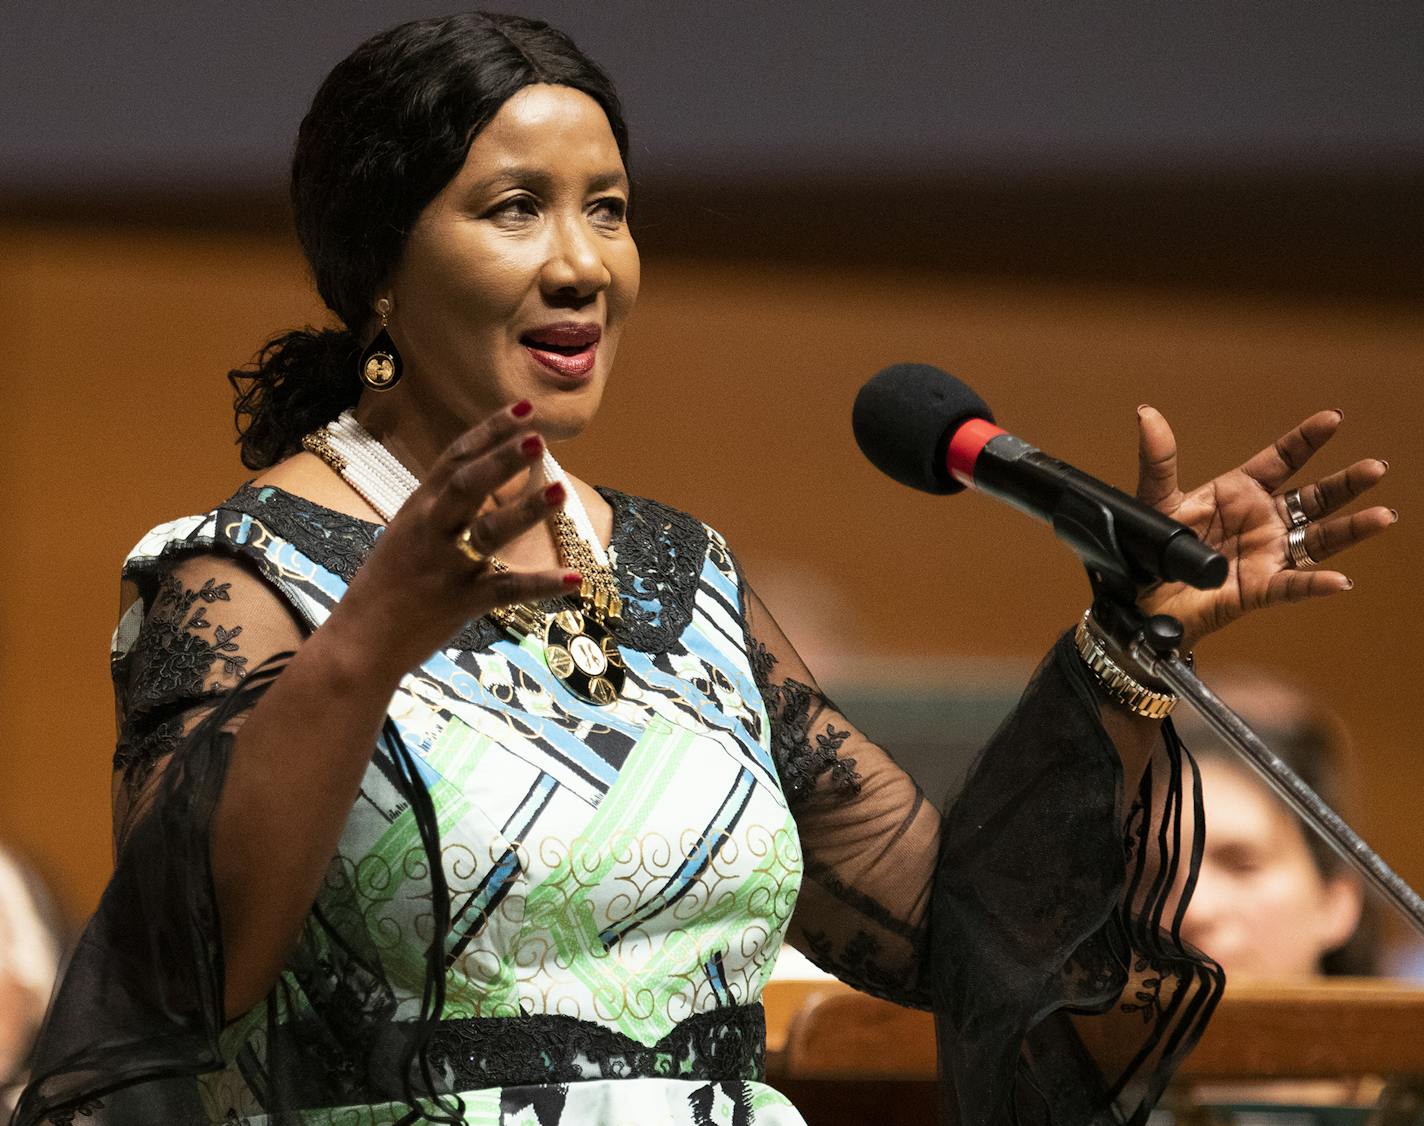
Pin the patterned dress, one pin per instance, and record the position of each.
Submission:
(544, 912)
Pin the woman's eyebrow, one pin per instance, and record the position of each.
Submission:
(543, 178)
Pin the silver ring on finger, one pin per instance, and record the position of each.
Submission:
(464, 544)
(1298, 518)
(1295, 543)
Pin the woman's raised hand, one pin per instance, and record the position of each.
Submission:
(418, 587)
(1243, 515)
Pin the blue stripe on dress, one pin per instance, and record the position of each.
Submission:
(717, 978)
(469, 919)
(553, 742)
(753, 752)
(708, 842)
(719, 580)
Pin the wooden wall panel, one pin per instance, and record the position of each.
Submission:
(731, 399)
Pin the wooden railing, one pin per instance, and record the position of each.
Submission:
(1329, 1028)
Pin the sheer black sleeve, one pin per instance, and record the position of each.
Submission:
(139, 1016)
(1030, 917)
(142, 999)
(868, 834)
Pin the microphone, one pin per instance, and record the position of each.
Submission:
(931, 432)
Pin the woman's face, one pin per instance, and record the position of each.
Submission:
(516, 280)
(1261, 906)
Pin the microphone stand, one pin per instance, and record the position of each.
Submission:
(1152, 645)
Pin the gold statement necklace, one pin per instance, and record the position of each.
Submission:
(578, 645)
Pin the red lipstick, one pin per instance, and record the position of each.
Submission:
(568, 348)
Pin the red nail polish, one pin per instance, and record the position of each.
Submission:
(521, 409)
(554, 494)
(573, 578)
(532, 445)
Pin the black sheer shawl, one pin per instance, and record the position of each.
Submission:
(1035, 906)
(140, 1011)
(1033, 918)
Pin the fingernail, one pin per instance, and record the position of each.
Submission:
(531, 445)
(1338, 411)
(1393, 516)
(1382, 462)
(1349, 585)
(1141, 407)
(573, 578)
(521, 408)
(554, 494)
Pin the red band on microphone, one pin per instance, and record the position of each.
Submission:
(964, 447)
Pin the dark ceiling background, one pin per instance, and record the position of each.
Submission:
(1261, 145)
(145, 93)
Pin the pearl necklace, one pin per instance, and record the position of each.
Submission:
(385, 484)
(579, 650)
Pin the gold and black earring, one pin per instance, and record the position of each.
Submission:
(380, 364)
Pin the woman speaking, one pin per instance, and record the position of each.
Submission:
(451, 789)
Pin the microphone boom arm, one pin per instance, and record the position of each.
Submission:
(1152, 645)
(1170, 669)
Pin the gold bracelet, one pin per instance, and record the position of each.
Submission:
(1115, 680)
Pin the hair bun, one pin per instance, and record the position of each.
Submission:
(298, 381)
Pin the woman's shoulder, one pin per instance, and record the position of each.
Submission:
(248, 521)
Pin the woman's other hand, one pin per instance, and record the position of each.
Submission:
(1242, 514)
(418, 587)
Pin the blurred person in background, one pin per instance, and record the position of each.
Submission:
(1273, 900)
(30, 948)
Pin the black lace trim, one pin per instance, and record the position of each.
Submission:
(723, 1044)
(67, 1116)
(340, 543)
(659, 553)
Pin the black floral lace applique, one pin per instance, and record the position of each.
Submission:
(658, 554)
(141, 745)
(177, 651)
(800, 758)
(1147, 993)
(85, 1109)
(174, 649)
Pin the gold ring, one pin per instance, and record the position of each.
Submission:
(467, 548)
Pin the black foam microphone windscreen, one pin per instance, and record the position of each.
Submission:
(903, 420)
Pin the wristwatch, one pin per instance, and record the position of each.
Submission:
(1119, 684)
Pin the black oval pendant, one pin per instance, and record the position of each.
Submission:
(380, 364)
(581, 652)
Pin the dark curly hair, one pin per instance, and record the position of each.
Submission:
(388, 129)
